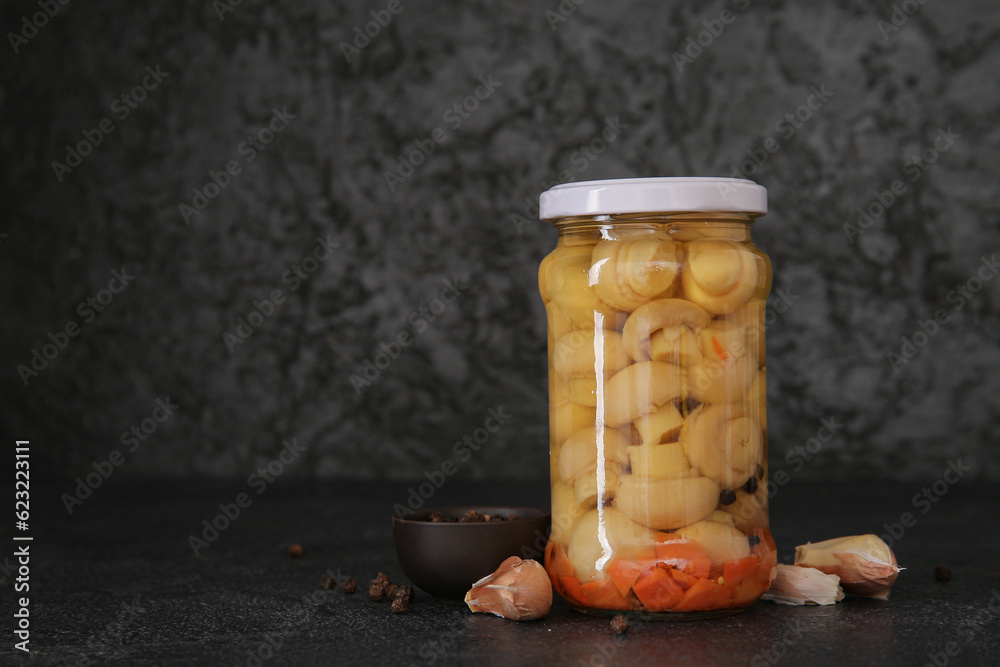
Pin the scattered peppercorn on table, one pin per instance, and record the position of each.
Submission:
(118, 583)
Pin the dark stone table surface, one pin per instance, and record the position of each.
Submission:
(118, 583)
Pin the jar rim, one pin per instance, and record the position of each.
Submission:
(662, 195)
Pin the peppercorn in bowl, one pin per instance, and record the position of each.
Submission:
(445, 550)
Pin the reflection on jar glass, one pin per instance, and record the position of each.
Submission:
(655, 300)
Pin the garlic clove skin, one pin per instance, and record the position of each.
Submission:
(803, 585)
(519, 590)
(865, 564)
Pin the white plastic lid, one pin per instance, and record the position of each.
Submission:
(653, 195)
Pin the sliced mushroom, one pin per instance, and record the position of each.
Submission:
(650, 266)
(574, 354)
(567, 281)
(713, 381)
(660, 461)
(720, 275)
(660, 425)
(721, 540)
(639, 389)
(630, 273)
(555, 262)
(724, 339)
(565, 511)
(581, 451)
(559, 322)
(598, 536)
(583, 391)
(656, 315)
(607, 284)
(679, 346)
(724, 442)
(666, 504)
(567, 418)
(594, 483)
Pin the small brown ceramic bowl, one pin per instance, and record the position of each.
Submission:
(446, 558)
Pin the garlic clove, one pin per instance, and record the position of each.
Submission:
(865, 564)
(519, 590)
(804, 585)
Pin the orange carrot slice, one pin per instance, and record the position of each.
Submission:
(685, 581)
(558, 564)
(572, 591)
(657, 590)
(687, 556)
(705, 594)
(604, 595)
(735, 571)
(624, 572)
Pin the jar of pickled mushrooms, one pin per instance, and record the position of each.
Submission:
(655, 299)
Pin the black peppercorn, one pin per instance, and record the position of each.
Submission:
(751, 485)
(377, 591)
(619, 624)
(727, 497)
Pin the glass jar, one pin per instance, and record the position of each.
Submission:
(655, 300)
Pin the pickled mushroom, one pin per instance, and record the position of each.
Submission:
(666, 314)
(666, 504)
(724, 442)
(720, 275)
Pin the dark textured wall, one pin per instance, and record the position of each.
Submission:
(461, 225)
